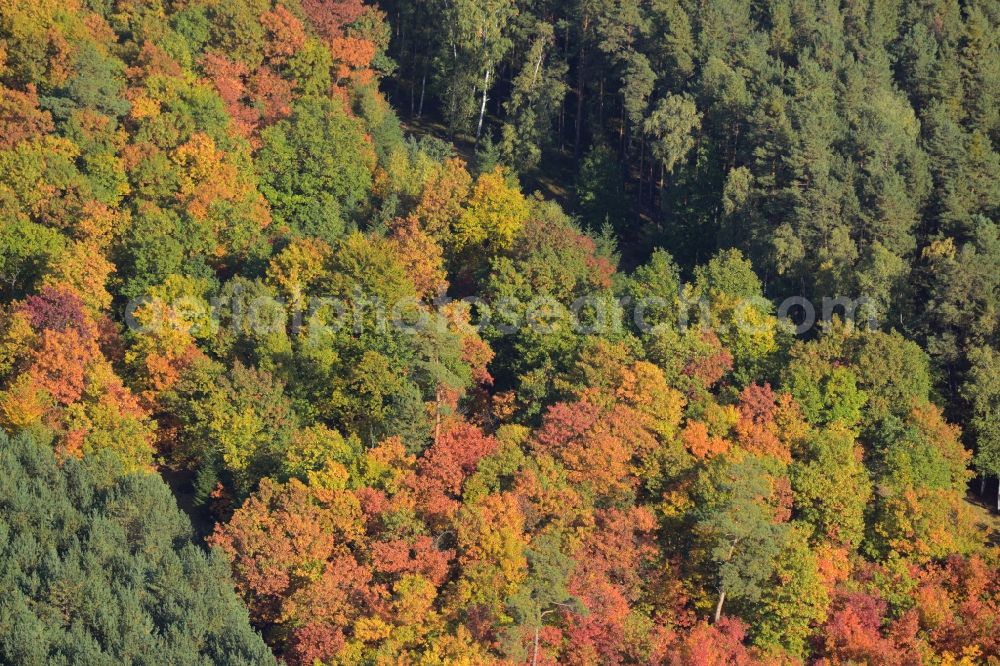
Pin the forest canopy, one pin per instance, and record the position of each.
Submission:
(500, 332)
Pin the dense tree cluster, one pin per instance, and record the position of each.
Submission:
(845, 148)
(406, 405)
(99, 567)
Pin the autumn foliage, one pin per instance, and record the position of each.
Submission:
(414, 413)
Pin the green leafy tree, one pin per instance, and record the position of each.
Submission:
(734, 523)
(600, 189)
(100, 567)
(543, 595)
(235, 426)
(795, 601)
(538, 93)
(315, 168)
(672, 126)
(832, 486)
(983, 392)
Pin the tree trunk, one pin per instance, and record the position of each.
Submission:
(652, 183)
(662, 182)
(498, 99)
(538, 66)
(565, 100)
(718, 606)
(722, 590)
(423, 87)
(736, 144)
(600, 104)
(562, 126)
(982, 486)
(482, 107)
(534, 654)
(437, 416)
(621, 130)
(642, 166)
(581, 82)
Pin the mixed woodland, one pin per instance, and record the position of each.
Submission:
(201, 464)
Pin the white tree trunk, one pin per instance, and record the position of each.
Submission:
(423, 87)
(538, 66)
(718, 606)
(482, 107)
